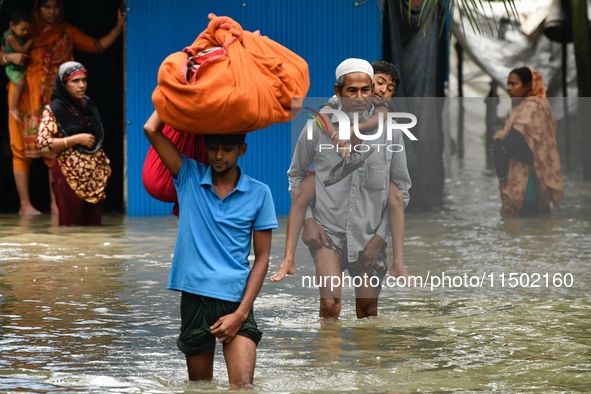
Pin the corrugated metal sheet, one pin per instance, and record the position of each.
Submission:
(324, 32)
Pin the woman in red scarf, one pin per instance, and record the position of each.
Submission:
(525, 150)
(54, 45)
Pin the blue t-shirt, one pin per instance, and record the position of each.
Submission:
(214, 235)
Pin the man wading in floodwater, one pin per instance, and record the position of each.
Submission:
(221, 209)
(348, 223)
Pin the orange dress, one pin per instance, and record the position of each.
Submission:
(50, 49)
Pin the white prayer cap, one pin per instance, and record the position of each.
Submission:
(353, 65)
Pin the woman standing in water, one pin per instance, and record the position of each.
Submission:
(71, 127)
(525, 150)
(54, 44)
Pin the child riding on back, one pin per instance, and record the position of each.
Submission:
(386, 79)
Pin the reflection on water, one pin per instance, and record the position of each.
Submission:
(86, 309)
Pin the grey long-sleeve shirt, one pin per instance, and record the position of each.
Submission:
(353, 210)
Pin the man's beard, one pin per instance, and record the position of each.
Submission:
(362, 116)
(222, 172)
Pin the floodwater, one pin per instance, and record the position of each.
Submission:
(87, 310)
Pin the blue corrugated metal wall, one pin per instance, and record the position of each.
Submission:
(324, 32)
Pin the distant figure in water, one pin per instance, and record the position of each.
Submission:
(525, 150)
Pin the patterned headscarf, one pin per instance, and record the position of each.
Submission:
(69, 70)
(537, 84)
(75, 116)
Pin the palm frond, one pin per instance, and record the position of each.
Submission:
(470, 9)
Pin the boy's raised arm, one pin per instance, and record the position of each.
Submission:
(168, 152)
(333, 134)
(374, 121)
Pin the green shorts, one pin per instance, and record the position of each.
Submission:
(15, 73)
(198, 313)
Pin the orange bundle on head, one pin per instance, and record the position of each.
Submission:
(230, 81)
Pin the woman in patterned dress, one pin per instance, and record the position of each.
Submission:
(71, 127)
(525, 150)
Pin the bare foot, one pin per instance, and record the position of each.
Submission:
(54, 209)
(287, 267)
(400, 270)
(15, 114)
(30, 210)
